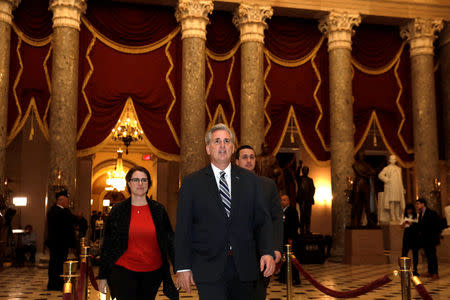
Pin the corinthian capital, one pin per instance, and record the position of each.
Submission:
(6, 8)
(251, 20)
(193, 15)
(338, 27)
(420, 34)
(67, 13)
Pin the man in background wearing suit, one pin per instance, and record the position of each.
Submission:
(429, 235)
(246, 158)
(291, 225)
(222, 222)
(61, 237)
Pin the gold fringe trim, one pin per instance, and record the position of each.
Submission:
(129, 49)
(31, 107)
(208, 87)
(172, 92)
(291, 114)
(319, 106)
(225, 56)
(296, 62)
(384, 69)
(269, 94)
(32, 41)
(16, 83)
(230, 94)
(49, 83)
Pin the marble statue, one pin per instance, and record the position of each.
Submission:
(394, 194)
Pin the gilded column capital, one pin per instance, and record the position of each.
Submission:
(251, 21)
(193, 16)
(421, 33)
(67, 13)
(6, 8)
(338, 27)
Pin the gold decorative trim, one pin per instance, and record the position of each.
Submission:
(295, 62)
(49, 83)
(230, 94)
(319, 106)
(224, 56)
(130, 49)
(269, 94)
(83, 91)
(16, 83)
(381, 70)
(153, 149)
(172, 92)
(31, 107)
(208, 87)
(32, 41)
(291, 114)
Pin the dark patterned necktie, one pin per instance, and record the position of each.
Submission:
(225, 193)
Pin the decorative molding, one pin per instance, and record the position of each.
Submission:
(67, 13)
(193, 16)
(421, 33)
(6, 8)
(338, 27)
(251, 20)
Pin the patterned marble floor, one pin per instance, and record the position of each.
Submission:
(30, 283)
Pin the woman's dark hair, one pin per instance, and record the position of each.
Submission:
(410, 206)
(141, 169)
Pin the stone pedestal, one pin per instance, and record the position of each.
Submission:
(420, 34)
(193, 16)
(6, 7)
(63, 106)
(364, 247)
(338, 27)
(392, 241)
(250, 19)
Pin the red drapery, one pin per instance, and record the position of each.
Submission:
(134, 51)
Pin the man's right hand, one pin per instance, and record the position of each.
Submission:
(185, 280)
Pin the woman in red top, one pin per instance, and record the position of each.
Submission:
(137, 243)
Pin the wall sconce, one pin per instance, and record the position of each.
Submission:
(20, 201)
(106, 202)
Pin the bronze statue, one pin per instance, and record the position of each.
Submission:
(267, 165)
(305, 199)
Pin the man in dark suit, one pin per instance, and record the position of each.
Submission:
(246, 158)
(221, 223)
(429, 235)
(291, 225)
(61, 237)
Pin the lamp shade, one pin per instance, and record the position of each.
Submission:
(20, 201)
(106, 202)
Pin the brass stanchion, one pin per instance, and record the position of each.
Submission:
(405, 277)
(70, 276)
(84, 257)
(288, 272)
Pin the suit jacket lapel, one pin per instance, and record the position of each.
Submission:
(212, 190)
(235, 190)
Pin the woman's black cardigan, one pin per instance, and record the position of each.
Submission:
(115, 241)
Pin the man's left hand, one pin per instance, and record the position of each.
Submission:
(267, 264)
(277, 256)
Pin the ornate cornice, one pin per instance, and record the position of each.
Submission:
(338, 27)
(67, 13)
(251, 20)
(6, 8)
(193, 16)
(421, 34)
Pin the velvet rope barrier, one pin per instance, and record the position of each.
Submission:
(92, 278)
(339, 294)
(420, 288)
(81, 281)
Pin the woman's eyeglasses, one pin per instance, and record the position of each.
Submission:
(136, 180)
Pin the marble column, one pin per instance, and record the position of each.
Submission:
(420, 34)
(63, 106)
(250, 20)
(6, 8)
(338, 27)
(444, 60)
(193, 16)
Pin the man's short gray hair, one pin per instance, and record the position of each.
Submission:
(219, 126)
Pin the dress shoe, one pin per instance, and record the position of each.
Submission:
(435, 276)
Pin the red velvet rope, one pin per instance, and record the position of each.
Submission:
(339, 294)
(67, 296)
(420, 288)
(92, 278)
(81, 281)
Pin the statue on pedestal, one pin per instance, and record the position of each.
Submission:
(393, 197)
(362, 186)
(267, 165)
(305, 198)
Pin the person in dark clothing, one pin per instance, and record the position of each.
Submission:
(137, 244)
(82, 225)
(27, 245)
(429, 235)
(61, 237)
(410, 235)
(291, 225)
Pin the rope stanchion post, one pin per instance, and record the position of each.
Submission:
(70, 276)
(84, 258)
(405, 277)
(288, 272)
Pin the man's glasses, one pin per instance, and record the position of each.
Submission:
(136, 180)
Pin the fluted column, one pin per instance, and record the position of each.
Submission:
(444, 60)
(193, 15)
(6, 8)
(250, 20)
(63, 106)
(338, 27)
(420, 34)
